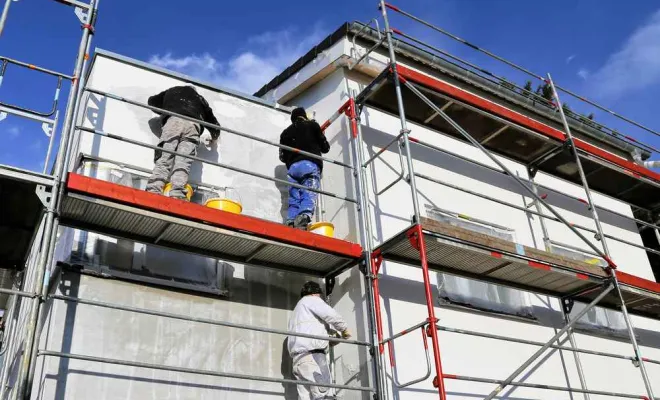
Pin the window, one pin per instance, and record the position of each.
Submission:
(578, 255)
(458, 291)
(126, 259)
(602, 320)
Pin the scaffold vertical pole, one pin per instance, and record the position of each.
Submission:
(402, 113)
(3, 17)
(23, 391)
(601, 237)
(548, 247)
(416, 236)
(576, 355)
(365, 239)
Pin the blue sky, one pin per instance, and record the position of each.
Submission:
(604, 49)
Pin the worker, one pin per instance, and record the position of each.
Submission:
(181, 136)
(303, 134)
(312, 316)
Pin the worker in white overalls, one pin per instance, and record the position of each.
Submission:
(313, 316)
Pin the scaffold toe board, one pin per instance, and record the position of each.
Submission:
(517, 136)
(462, 252)
(115, 210)
(21, 213)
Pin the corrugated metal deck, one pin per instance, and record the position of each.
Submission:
(642, 296)
(461, 252)
(115, 210)
(520, 138)
(20, 213)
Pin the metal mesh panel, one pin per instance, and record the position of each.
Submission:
(121, 220)
(440, 253)
(178, 233)
(297, 257)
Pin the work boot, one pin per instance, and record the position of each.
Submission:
(301, 221)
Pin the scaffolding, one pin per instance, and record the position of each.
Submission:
(73, 200)
(430, 245)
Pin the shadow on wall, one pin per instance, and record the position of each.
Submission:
(69, 286)
(409, 291)
(377, 139)
(286, 369)
(223, 390)
(281, 172)
(351, 286)
(252, 293)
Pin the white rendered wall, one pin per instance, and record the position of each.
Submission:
(267, 298)
(401, 288)
(257, 296)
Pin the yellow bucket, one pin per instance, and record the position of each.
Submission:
(322, 228)
(189, 191)
(225, 205)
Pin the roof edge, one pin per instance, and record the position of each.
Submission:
(184, 77)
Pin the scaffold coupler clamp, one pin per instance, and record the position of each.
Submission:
(432, 324)
(402, 133)
(610, 264)
(376, 261)
(414, 239)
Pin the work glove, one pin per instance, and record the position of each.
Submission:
(346, 334)
(206, 139)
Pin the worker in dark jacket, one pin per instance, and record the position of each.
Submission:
(180, 135)
(306, 135)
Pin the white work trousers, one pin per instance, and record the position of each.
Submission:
(313, 367)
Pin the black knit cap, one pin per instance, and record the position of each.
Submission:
(310, 288)
(298, 112)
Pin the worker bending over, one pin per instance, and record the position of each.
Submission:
(180, 135)
(313, 316)
(303, 134)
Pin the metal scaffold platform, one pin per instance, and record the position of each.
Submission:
(474, 255)
(515, 136)
(95, 205)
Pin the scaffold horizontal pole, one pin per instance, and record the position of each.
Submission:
(206, 321)
(217, 164)
(49, 353)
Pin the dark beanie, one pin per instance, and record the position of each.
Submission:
(298, 112)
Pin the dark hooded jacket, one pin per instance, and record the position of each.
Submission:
(186, 101)
(305, 135)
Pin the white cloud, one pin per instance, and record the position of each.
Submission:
(583, 73)
(635, 66)
(264, 56)
(14, 131)
(570, 58)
